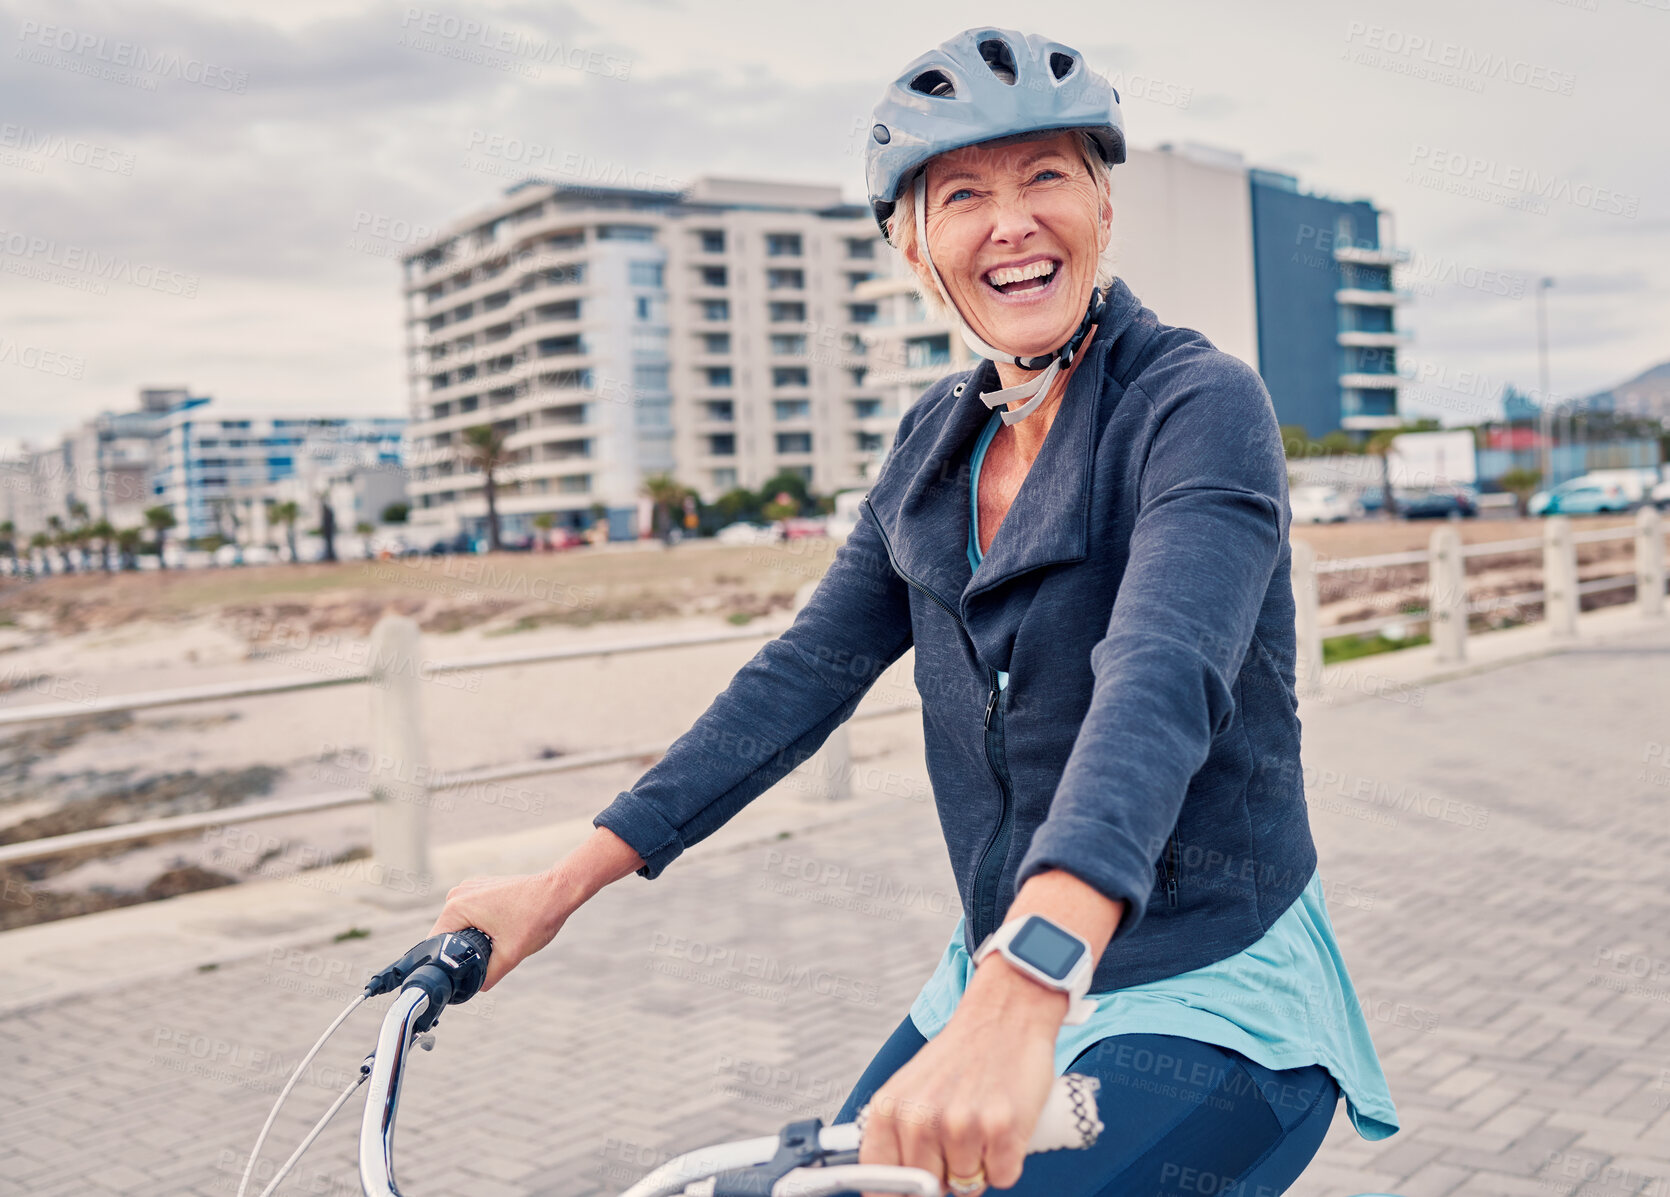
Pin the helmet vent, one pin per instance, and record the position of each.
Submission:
(1000, 59)
(1061, 65)
(933, 83)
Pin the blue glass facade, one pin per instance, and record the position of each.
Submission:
(1326, 315)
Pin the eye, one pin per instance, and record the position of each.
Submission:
(1048, 172)
(959, 193)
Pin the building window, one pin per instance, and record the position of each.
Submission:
(643, 307)
(725, 479)
(712, 240)
(721, 444)
(625, 232)
(861, 313)
(785, 280)
(858, 373)
(713, 276)
(928, 351)
(567, 309)
(556, 347)
(782, 245)
(854, 277)
(717, 376)
(791, 409)
(649, 378)
(794, 442)
(716, 342)
(788, 345)
(790, 312)
(789, 376)
(864, 409)
(716, 309)
(720, 409)
(644, 274)
(868, 442)
(861, 247)
(574, 484)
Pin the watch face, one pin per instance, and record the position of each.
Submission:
(1046, 948)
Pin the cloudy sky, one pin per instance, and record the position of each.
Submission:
(210, 194)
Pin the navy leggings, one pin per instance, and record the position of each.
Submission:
(1180, 1118)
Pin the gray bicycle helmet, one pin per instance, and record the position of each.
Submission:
(984, 84)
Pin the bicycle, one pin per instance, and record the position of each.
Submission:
(804, 1159)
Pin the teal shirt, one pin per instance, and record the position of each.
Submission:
(1285, 1002)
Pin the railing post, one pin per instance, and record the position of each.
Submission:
(1447, 596)
(398, 777)
(1649, 563)
(1307, 619)
(1560, 599)
(826, 775)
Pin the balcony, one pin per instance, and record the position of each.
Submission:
(1371, 382)
(1373, 340)
(1363, 256)
(1372, 299)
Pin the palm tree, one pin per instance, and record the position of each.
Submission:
(327, 525)
(160, 519)
(544, 521)
(483, 446)
(39, 542)
(287, 513)
(128, 542)
(1380, 445)
(1522, 484)
(59, 539)
(666, 495)
(104, 533)
(8, 537)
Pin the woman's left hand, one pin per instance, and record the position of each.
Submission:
(968, 1101)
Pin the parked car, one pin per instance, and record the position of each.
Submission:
(1322, 505)
(744, 532)
(1437, 503)
(461, 543)
(794, 529)
(563, 538)
(1661, 495)
(1582, 496)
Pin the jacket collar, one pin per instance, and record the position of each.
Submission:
(921, 500)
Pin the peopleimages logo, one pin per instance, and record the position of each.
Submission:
(47, 252)
(97, 47)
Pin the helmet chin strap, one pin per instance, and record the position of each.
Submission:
(1035, 389)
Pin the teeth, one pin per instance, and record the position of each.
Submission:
(1004, 275)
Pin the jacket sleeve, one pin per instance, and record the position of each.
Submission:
(1205, 543)
(776, 711)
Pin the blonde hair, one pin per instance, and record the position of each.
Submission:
(901, 228)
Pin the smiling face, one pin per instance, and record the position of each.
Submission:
(1016, 232)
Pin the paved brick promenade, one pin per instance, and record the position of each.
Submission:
(1497, 849)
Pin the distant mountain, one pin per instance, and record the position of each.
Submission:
(1647, 394)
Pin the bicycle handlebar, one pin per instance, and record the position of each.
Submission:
(805, 1159)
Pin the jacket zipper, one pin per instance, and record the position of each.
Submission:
(1000, 772)
(985, 922)
(1170, 866)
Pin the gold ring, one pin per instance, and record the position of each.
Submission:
(967, 1184)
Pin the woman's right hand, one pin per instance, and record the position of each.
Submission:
(522, 914)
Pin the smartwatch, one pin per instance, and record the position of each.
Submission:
(1049, 954)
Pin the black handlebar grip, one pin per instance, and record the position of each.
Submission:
(465, 954)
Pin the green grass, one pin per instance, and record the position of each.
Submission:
(1349, 648)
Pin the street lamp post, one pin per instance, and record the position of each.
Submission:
(1547, 412)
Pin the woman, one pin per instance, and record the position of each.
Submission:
(1091, 564)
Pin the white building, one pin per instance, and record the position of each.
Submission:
(612, 334)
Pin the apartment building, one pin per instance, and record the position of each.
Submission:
(615, 333)
(210, 465)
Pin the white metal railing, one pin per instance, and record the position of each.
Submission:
(400, 828)
(1448, 606)
(400, 804)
